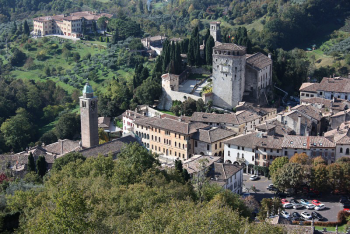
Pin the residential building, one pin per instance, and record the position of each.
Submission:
(339, 118)
(338, 87)
(341, 137)
(209, 141)
(228, 176)
(129, 117)
(305, 120)
(198, 163)
(327, 106)
(104, 122)
(70, 25)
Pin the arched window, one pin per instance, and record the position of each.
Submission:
(341, 150)
(237, 155)
(347, 151)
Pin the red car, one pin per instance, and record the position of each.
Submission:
(284, 201)
(316, 202)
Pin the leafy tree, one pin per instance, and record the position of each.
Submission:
(319, 177)
(67, 158)
(319, 160)
(200, 105)
(132, 161)
(102, 136)
(41, 166)
(31, 163)
(269, 207)
(32, 177)
(76, 56)
(251, 203)
(68, 126)
(18, 57)
(18, 131)
(289, 176)
(149, 91)
(277, 164)
(48, 137)
(301, 159)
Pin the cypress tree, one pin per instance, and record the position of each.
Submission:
(41, 165)
(209, 50)
(31, 163)
(190, 53)
(178, 60)
(197, 53)
(26, 28)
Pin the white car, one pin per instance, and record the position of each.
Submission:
(288, 205)
(298, 206)
(306, 215)
(320, 207)
(285, 214)
(310, 206)
(254, 177)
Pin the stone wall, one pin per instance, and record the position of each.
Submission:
(168, 96)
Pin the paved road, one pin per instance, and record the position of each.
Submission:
(187, 86)
(331, 201)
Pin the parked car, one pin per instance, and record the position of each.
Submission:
(304, 202)
(310, 206)
(285, 214)
(320, 207)
(344, 200)
(283, 201)
(293, 201)
(316, 202)
(346, 207)
(287, 206)
(296, 216)
(317, 216)
(306, 215)
(298, 206)
(254, 177)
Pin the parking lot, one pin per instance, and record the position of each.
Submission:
(331, 201)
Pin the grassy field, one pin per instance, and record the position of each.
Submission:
(166, 112)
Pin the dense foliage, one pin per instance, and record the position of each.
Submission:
(127, 195)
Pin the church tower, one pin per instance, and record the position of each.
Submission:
(88, 117)
(215, 30)
(229, 62)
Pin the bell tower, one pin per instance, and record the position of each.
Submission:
(215, 30)
(88, 117)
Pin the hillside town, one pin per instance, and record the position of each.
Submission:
(174, 117)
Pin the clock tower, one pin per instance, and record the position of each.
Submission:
(88, 117)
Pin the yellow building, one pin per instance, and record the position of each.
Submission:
(69, 25)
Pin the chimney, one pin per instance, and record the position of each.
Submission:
(298, 125)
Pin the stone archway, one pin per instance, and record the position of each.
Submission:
(228, 161)
(244, 167)
(235, 163)
(216, 154)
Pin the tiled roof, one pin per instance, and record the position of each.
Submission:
(309, 110)
(176, 125)
(246, 116)
(214, 118)
(62, 147)
(132, 115)
(104, 122)
(193, 165)
(259, 61)
(306, 142)
(280, 129)
(337, 84)
(248, 140)
(338, 104)
(341, 135)
(212, 135)
(223, 171)
(309, 87)
(112, 147)
(229, 46)
(273, 142)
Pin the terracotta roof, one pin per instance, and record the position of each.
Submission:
(273, 142)
(221, 172)
(337, 104)
(259, 61)
(265, 126)
(229, 46)
(193, 165)
(212, 135)
(341, 135)
(214, 118)
(337, 84)
(112, 147)
(248, 140)
(246, 116)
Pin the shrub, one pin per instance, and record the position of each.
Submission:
(343, 216)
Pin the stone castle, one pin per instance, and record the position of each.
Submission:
(237, 76)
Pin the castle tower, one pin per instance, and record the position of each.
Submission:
(88, 118)
(229, 61)
(215, 30)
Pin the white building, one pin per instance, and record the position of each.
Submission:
(341, 137)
